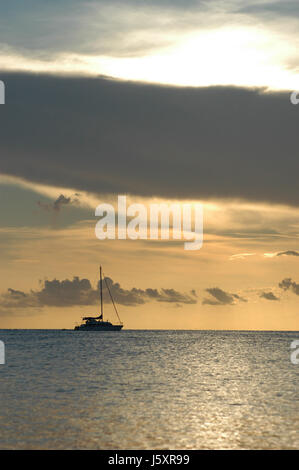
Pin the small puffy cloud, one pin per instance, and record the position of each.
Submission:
(288, 253)
(269, 296)
(220, 297)
(288, 284)
(12, 300)
(66, 293)
(59, 202)
(16, 294)
(171, 295)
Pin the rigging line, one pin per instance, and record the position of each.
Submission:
(111, 298)
(101, 293)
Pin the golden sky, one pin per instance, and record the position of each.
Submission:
(165, 102)
(241, 255)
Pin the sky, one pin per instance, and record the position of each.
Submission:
(165, 102)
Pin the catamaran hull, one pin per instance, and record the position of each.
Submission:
(98, 328)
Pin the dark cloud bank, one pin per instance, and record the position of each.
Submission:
(109, 136)
(76, 292)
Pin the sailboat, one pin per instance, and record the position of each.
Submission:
(98, 323)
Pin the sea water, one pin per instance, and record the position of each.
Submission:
(148, 390)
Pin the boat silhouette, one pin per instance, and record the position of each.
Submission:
(98, 323)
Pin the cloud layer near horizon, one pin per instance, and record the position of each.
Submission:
(109, 136)
(79, 292)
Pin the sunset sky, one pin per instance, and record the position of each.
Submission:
(165, 101)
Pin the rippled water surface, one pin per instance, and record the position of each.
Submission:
(148, 390)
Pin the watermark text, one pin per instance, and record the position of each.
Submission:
(295, 353)
(2, 353)
(294, 98)
(156, 221)
(2, 92)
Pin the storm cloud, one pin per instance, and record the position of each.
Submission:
(110, 136)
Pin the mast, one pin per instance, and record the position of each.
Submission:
(101, 293)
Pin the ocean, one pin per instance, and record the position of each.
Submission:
(148, 390)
